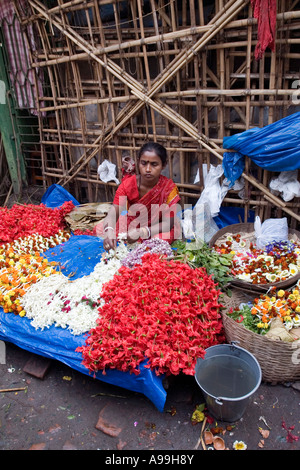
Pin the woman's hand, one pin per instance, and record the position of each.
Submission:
(109, 242)
(135, 234)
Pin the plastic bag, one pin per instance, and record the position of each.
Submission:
(213, 194)
(186, 222)
(197, 223)
(286, 184)
(107, 172)
(270, 230)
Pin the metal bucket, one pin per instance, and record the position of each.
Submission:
(228, 376)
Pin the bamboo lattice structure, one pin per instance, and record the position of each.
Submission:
(182, 73)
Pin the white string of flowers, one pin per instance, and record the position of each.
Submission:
(58, 301)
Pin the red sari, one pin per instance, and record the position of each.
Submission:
(155, 205)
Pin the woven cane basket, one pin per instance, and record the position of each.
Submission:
(279, 360)
(248, 228)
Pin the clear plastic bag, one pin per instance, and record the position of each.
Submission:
(270, 230)
(197, 223)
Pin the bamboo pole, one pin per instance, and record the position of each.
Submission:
(179, 93)
(168, 37)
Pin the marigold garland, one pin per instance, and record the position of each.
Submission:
(162, 310)
(282, 304)
(279, 304)
(21, 265)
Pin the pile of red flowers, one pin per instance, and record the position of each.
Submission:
(25, 220)
(163, 311)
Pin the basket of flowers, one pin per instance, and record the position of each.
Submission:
(256, 270)
(268, 326)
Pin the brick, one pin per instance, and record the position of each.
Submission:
(107, 419)
(108, 428)
(40, 446)
(37, 366)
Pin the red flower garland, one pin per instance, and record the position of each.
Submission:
(25, 220)
(163, 311)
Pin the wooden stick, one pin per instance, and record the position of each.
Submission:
(201, 436)
(4, 390)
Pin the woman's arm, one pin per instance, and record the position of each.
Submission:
(109, 228)
(148, 232)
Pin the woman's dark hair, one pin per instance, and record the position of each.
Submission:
(155, 147)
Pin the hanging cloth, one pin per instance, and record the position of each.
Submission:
(265, 13)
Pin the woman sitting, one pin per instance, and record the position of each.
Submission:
(145, 205)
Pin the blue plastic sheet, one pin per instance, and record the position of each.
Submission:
(56, 195)
(232, 215)
(275, 147)
(78, 256)
(233, 165)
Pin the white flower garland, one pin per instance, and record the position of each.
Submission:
(56, 300)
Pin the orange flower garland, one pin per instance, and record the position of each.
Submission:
(21, 265)
(282, 304)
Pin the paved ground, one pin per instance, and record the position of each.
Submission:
(64, 411)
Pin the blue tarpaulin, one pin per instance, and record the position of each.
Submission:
(232, 215)
(275, 147)
(56, 195)
(78, 256)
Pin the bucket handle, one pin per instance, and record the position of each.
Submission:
(218, 401)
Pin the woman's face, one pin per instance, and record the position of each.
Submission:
(150, 167)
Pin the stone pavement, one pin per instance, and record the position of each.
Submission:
(67, 410)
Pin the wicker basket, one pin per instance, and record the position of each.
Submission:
(247, 286)
(279, 360)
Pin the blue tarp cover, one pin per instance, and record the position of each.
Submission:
(275, 147)
(56, 195)
(232, 215)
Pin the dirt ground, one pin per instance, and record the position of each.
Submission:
(62, 411)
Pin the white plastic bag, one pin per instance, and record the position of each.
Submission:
(286, 184)
(270, 230)
(213, 194)
(197, 223)
(107, 172)
(186, 222)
